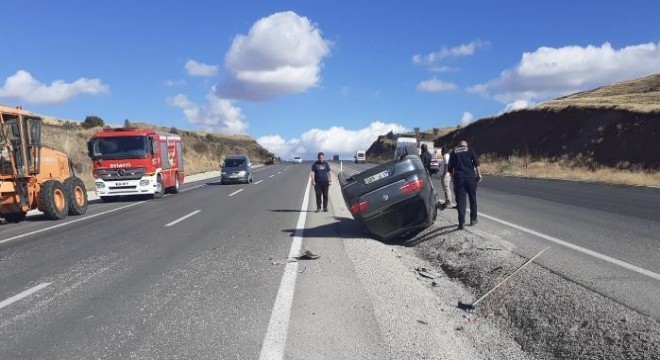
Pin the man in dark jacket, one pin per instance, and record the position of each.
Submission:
(464, 167)
(426, 158)
(321, 179)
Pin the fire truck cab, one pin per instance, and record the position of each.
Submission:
(128, 161)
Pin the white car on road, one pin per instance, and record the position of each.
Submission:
(297, 160)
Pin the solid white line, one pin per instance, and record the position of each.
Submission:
(182, 218)
(598, 255)
(69, 222)
(236, 192)
(272, 175)
(275, 340)
(22, 295)
(258, 182)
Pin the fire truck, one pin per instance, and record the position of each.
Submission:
(129, 161)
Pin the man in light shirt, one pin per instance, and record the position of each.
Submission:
(445, 176)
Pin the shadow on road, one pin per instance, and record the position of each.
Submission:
(342, 228)
(289, 211)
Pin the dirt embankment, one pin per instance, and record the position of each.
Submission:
(614, 138)
(549, 316)
(202, 151)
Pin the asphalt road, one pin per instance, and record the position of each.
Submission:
(120, 283)
(604, 237)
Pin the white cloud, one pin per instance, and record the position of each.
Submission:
(435, 85)
(551, 72)
(442, 69)
(281, 54)
(467, 118)
(172, 83)
(336, 140)
(217, 114)
(194, 68)
(518, 105)
(445, 52)
(24, 87)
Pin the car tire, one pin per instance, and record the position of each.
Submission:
(161, 190)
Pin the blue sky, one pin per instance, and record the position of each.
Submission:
(321, 75)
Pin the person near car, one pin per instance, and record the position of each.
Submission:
(426, 158)
(321, 179)
(464, 167)
(445, 176)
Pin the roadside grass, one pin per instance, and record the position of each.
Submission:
(567, 169)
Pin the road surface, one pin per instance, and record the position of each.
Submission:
(604, 237)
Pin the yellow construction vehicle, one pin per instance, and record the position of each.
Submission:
(33, 176)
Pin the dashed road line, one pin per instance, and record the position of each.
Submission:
(258, 182)
(22, 295)
(236, 192)
(182, 218)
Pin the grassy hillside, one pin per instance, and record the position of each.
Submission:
(202, 151)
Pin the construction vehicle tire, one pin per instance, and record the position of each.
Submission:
(77, 194)
(15, 217)
(53, 201)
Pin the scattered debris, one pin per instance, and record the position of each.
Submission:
(424, 272)
(307, 255)
(495, 269)
(488, 248)
(277, 263)
(303, 270)
(473, 307)
(422, 322)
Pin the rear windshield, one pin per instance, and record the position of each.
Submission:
(234, 162)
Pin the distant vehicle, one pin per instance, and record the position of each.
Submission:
(33, 176)
(297, 160)
(335, 157)
(235, 169)
(269, 160)
(406, 146)
(435, 163)
(360, 156)
(129, 161)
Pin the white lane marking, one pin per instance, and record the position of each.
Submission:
(258, 182)
(194, 187)
(275, 340)
(22, 295)
(279, 172)
(272, 175)
(182, 218)
(598, 255)
(236, 192)
(69, 222)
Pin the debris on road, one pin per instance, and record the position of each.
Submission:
(306, 255)
(422, 322)
(473, 306)
(424, 272)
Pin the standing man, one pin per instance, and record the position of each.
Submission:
(426, 158)
(445, 176)
(464, 166)
(321, 179)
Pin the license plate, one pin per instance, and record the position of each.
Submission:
(379, 176)
(121, 184)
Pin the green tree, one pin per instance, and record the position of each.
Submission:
(92, 121)
(127, 123)
(436, 131)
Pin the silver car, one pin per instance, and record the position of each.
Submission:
(236, 169)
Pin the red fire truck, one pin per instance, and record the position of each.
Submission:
(128, 161)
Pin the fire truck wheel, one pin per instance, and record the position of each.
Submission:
(15, 217)
(160, 190)
(175, 189)
(75, 190)
(53, 201)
